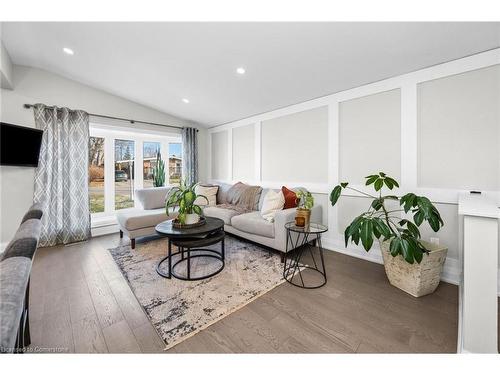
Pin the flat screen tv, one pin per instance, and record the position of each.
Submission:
(20, 146)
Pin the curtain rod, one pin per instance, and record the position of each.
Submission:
(28, 106)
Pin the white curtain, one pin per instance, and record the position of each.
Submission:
(61, 179)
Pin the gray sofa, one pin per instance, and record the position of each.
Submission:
(15, 268)
(140, 222)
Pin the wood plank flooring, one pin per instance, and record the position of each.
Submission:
(81, 303)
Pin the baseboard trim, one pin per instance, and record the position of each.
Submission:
(105, 229)
(451, 271)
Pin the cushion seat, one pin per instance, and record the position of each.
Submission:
(14, 276)
(253, 223)
(137, 219)
(225, 214)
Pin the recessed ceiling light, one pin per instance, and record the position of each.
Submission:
(240, 70)
(185, 100)
(68, 51)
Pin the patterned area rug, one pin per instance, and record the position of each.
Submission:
(179, 309)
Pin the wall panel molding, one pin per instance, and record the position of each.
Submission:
(407, 83)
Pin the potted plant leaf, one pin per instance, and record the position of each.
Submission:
(183, 197)
(159, 171)
(305, 201)
(411, 264)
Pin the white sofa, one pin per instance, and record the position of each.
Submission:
(140, 222)
(255, 228)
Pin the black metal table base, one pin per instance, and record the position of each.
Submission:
(293, 266)
(190, 249)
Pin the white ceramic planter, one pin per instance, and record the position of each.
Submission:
(415, 279)
(192, 218)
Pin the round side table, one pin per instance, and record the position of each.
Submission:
(298, 240)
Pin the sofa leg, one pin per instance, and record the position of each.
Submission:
(132, 243)
(121, 234)
(282, 256)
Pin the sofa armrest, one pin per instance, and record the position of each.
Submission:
(284, 216)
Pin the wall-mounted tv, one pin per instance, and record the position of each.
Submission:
(20, 146)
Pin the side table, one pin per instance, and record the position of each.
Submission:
(299, 240)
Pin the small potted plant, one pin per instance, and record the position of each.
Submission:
(305, 201)
(184, 196)
(411, 264)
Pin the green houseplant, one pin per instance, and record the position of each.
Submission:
(305, 201)
(184, 197)
(159, 171)
(398, 233)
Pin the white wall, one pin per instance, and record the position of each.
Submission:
(5, 68)
(401, 115)
(38, 86)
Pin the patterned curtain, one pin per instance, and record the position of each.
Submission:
(61, 179)
(190, 155)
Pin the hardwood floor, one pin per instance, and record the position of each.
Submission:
(81, 303)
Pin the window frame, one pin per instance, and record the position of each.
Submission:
(110, 133)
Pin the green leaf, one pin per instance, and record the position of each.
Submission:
(434, 223)
(355, 237)
(377, 204)
(346, 235)
(197, 209)
(418, 218)
(344, 184)
(394, 247)
(367, 234)
(378, 184)
(392, 181)
(412, 228)
(335, 194)
(383, 228)
(388, 183)
(407, 201)
(382, 174)
(417, 253)
(425, 205)
(371, 179)
(407, 253)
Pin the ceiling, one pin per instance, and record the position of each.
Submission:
(159, 64)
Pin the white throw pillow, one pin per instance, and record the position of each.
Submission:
(208, 191)
(273, 202)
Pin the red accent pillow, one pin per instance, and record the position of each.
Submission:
(290, 198)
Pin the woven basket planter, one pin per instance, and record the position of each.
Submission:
(415, 279)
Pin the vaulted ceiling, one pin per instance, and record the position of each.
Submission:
(160, 64)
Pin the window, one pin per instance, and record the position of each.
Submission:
(124, 173)
(122, 160)
(96, 174)
(174, 163)
(150, 153)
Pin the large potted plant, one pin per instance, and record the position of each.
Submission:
(305, 201)
(411, 264)
(184, 197)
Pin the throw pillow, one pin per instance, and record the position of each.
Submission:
(290, 198)
(209, 191)
(273, 202)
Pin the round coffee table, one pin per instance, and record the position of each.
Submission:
(192, 243)
(298, 240)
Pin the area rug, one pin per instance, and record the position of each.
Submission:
(179, 309)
